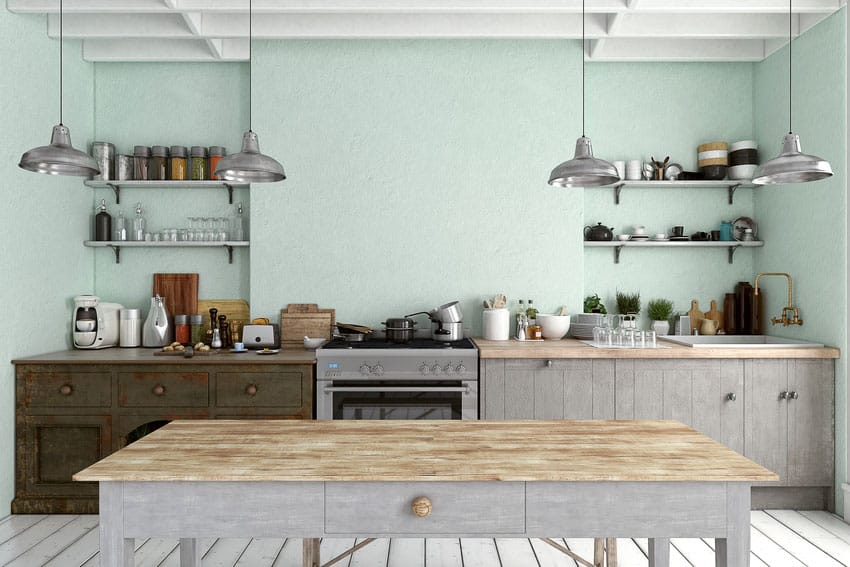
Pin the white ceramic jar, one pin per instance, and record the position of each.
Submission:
(497, 324)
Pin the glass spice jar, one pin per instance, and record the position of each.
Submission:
(199, 163)
(159, 164)
(216, 153)
(141, 162)
(182, 331)
(197, 328)
(179, 163)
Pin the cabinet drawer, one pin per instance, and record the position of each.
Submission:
(68, 389)
(457, 508)
(258, 389)
(160, 389)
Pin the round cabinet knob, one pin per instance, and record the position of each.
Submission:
(548, 364)
(378, 370)
(460, 369)
(423, 369)
(792, 395)
(365, 370)
(783, 395)
(158, 390)
(422, 506)
(448, 369)
(731, 396)
(436, 369)
(251, 389)
(66, 390)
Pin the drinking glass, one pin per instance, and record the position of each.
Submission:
(650, 339)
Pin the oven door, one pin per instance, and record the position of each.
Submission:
(388, 399)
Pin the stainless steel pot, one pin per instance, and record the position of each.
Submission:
(448, 313)
(400, 329)
(446, 332)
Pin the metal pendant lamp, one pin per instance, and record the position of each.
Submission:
(249, 165)
(583, 170)
(792, 165)
(60, 157)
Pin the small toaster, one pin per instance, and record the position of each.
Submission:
(261, 336)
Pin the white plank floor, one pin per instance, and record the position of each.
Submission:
(780, 538)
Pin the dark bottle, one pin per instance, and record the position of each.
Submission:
(102, 223)
(729, 322)
(744, 308)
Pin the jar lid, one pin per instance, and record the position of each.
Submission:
(217, 151)
(130, 313)
(160, 151)
(196, 319)
(108, 146)
(181, 319)
(199, 151)
(179, 151)
(142, 151)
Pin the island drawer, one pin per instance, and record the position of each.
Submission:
(258, 389)
(68, 389)
(159, 389)
(459, 508)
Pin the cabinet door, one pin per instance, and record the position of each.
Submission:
(810, 423)
(766, 415)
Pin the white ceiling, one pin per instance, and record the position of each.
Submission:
(617, 30)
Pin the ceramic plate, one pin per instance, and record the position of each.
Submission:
(239, 350)
(679, 238)
(660, 239)
(268, 351)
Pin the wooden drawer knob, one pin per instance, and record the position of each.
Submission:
(66, 390)
(251, 389)
(422, 506)
(158, 390)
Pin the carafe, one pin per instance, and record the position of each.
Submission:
(157, 331)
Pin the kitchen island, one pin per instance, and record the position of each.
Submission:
(74, 407)
(193, 479)
(773, 405)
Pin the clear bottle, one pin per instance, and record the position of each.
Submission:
(120, 230)
(531, 311)
(138, 224)
(521, 311)
(238, 233)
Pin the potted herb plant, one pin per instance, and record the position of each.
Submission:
(593, 304)
(660, 311)
(628, 304)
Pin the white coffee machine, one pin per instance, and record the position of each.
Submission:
(94, 324)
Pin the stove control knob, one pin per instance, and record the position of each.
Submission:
(423, 369)
(378, 370)
(364, 369)
(436, 369)
(460, 368)
(448, 369)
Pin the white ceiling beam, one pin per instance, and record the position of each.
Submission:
(742, 26)
(172, 50)
(80, 26)
(616, 49)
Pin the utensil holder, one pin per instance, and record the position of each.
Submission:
(497, 324)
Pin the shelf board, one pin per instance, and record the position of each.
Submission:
(731, 185)
(116, 186)
(618, 245)
(117, 245)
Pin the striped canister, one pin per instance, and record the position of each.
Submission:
(712, 159)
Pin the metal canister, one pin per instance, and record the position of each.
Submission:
(178, 163)
(124, 167)
(103, 153)
(199, 163)
(141, 162)
(216, 155)
(158, 164)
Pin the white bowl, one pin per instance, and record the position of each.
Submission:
(554, 326)
(743, 145)
(312, 344)
(742, 171)
(623, 236)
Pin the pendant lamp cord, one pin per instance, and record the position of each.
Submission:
(582, 68)
(61, 11)
(790, 41)
(250, 60)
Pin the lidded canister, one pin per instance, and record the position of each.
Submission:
(199, 163)
(104, 155)
(159, 164)
(141, 162)
(130, 327)
(179, 163)
(216, 153)
(182, 331)
(198, 329)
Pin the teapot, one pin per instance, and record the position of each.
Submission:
(598, 232)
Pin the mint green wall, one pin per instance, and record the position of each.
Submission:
(169, 104)
(41, 217)
(805, 225)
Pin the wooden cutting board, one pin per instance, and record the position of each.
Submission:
(714, 314)
(301, 320)
(695, 315)
(180, 292)
(235, 309)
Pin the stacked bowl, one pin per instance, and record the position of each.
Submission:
(584, 324)
(743, 159)
(713, 159)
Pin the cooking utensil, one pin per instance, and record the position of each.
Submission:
(449, 313)
(446, 332)
(399, 329)
(300, 319)
(715, 315)
(695, 314)
(742, 223)
(349, 327)
(179, 293)
(500, 301)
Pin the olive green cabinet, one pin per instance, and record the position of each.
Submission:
(69, 416)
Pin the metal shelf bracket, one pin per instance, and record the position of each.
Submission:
(229, 188)
(617, 250)
(117, 190)
(229, 254)
(117, 250)
(617, 189)
(731, 191)
(731, 251)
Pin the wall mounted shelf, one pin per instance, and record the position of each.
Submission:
(117, 245)
(731, 185)
(618, 245)
(117, 185)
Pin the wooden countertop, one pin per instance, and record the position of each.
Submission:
(146, 356)
(278, 450)
(572, 348)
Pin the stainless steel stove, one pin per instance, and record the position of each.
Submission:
(422, 379)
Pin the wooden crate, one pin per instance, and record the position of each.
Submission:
(305, 319)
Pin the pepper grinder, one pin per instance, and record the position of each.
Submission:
(208, 337)
(222, 327)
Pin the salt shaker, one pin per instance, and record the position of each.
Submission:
(216, 339)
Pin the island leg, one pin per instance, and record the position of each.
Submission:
(311, 552)
(115, 549)
(190, 553)
(734, 549)
(659, 552)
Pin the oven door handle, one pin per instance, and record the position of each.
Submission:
(332, 389)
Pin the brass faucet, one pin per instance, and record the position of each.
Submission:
(788, 309)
